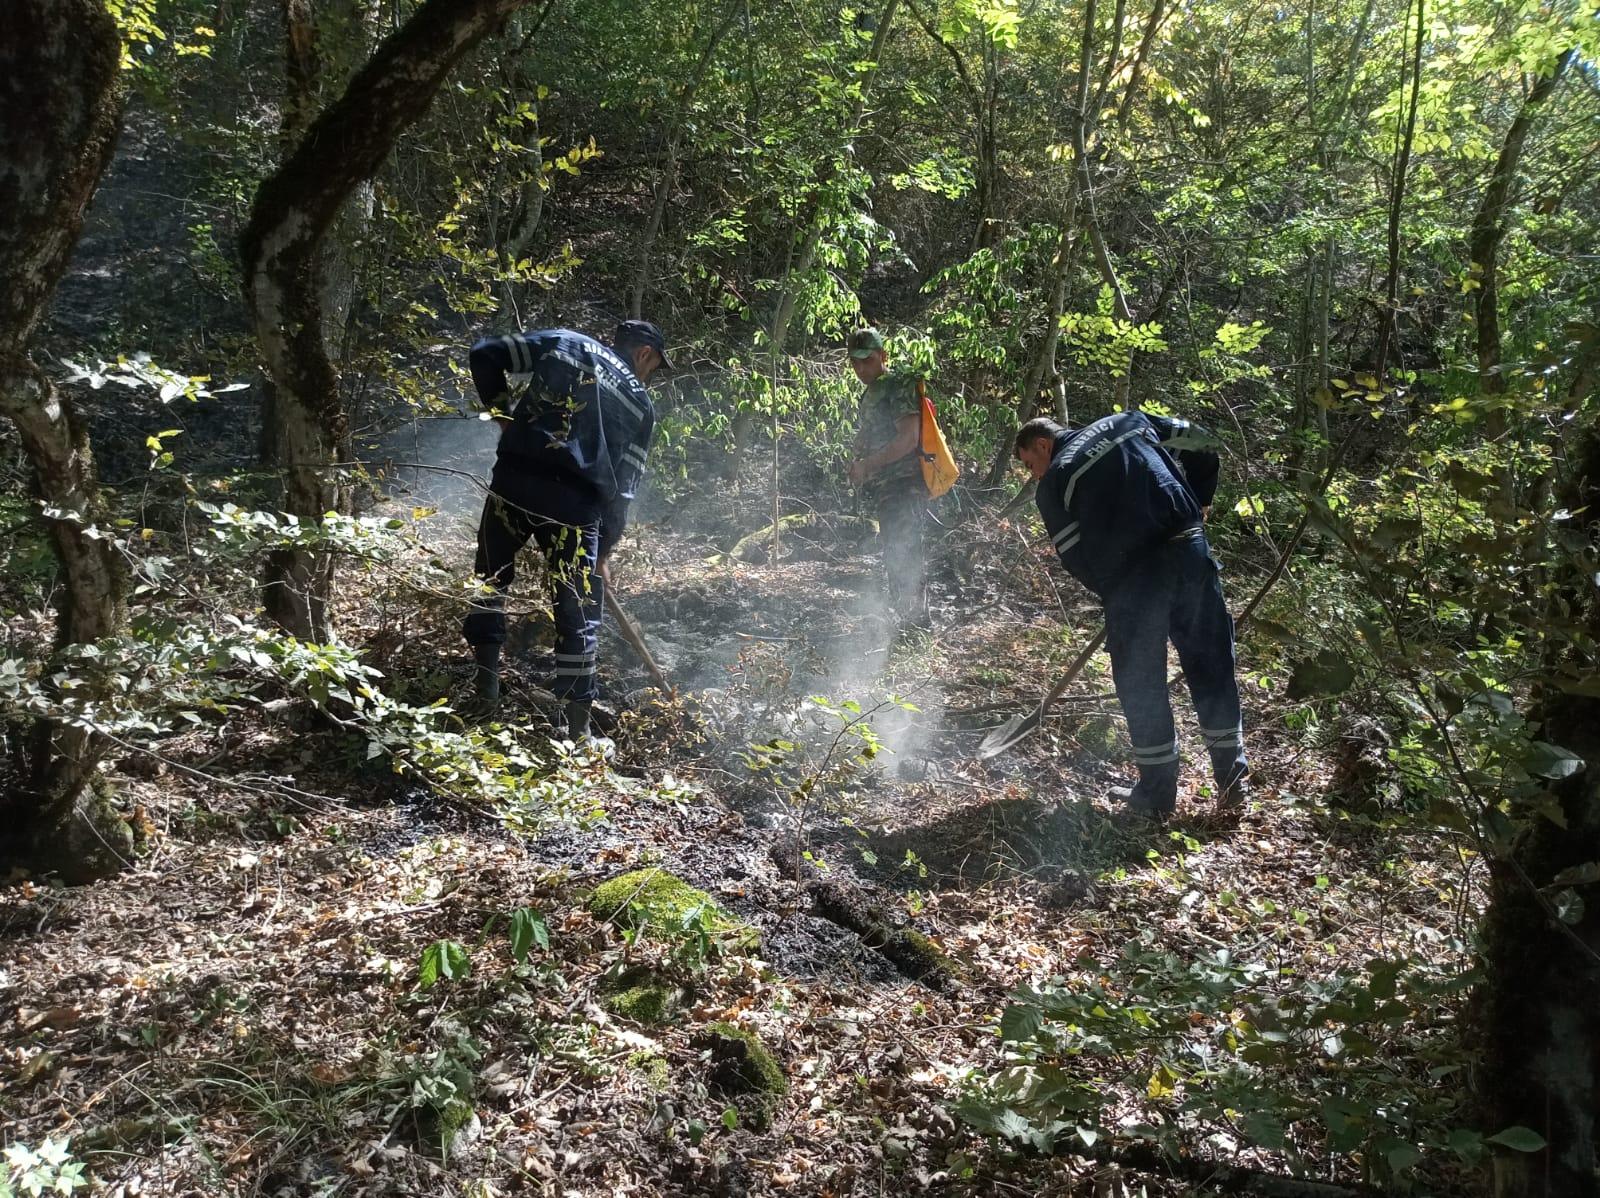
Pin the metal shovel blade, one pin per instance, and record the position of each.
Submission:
(1017, 728)
(1020, 727)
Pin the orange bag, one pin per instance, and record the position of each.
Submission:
(939, 469)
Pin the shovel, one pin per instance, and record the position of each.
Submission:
(630, 633)
(1020, 727)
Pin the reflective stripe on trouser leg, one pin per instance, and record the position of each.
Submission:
(1136, 637)
(1164, 754)
(1202, 632)
(1223, 738)
(503, 530)
(577, 594)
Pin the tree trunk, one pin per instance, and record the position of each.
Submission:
(1488, 226)
(1044, 361)
(1152, 26)
(665, 177)
(528, 210)
(803, 255)
(1402, 168)
(281, 255)
(302, 79)
(1542, 1061)
(60, 110)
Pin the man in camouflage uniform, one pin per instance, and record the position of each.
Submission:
(886, 469)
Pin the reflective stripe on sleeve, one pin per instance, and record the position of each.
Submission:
(1094, 456)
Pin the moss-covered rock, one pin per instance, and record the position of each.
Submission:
(648, 1003)
(651, 1068)
(743, 1069)
(655, 901)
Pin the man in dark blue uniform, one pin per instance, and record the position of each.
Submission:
(1123, 500)
(572, 456)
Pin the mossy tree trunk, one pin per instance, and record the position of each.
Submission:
(281, 250)
(1539, 1000)
(60, 109)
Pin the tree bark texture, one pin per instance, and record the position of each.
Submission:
(1488, 227)
(1402, 169)
(281, 253)
(1539, 1005)
(60, 109)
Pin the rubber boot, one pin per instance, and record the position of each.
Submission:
(486, 681)
(1232, 774)
(580, 718)
(1155, 795)
(578, 713)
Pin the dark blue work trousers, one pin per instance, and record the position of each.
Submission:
(1173, 593)
(564, 520)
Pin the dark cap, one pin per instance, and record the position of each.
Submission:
(642, 332)
(864, 343)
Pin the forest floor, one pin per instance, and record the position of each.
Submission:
(246, 1012)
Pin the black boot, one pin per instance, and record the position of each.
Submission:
(579, 713)
(1232, 775)
(580, 729)
(486, 682)
(1155, 796)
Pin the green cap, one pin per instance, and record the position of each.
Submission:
(864, 343)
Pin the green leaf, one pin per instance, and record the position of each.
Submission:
(1545, 760)
(1518, 1139)
(1399, 1154)
(528, 928)
(1020, 1023)
(1326, 674)
(730, 1118)
(1578, 875)
(1569, 906)
(1013, 1126)
(1274, 631)
(443, 959)
(1588, 685)
(1393, 531)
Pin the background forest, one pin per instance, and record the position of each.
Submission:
(279, 920)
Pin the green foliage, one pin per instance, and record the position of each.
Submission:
(758, 1070)
(443, 960)
(1099, 339)
(836, 742)
(645, 1003)
(1225, 1041)
(440, 1088)
(528, 930)
(47, 1169)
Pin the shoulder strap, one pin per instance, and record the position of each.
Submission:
(922, 399)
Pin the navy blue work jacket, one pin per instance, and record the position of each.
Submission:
(1119, 487)
(584, 416)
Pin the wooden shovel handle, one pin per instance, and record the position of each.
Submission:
(1072, 672)
(630, 633)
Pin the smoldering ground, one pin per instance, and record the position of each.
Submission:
(771, 650)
